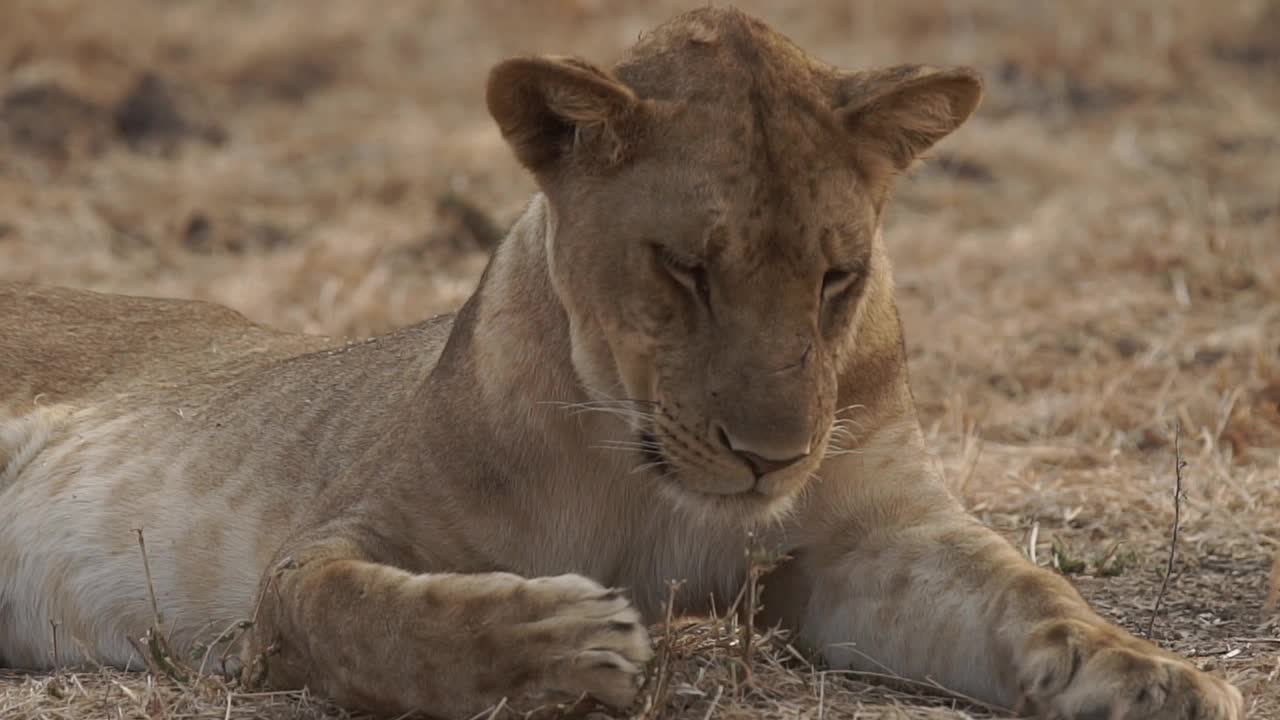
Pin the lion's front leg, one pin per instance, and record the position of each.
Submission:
(951, 602)
(906, 583)
(374, 637)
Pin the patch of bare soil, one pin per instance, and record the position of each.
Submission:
(1092, 261)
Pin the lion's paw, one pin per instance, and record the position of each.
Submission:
(1076, 670)
(589, 640)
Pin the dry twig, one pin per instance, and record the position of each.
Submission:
(661, 676)
(1274, 594)
(1178, 465)
(154, 646)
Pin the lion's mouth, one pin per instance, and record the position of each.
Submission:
(662, 467)
(750, 504)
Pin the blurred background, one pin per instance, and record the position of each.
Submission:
(1091, 261)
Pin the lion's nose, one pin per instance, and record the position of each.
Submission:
(764, 458)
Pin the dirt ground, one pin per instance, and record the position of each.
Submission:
(1091, 263)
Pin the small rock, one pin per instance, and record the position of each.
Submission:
(1208, 356)
(196, 236)
(960, 168)
(49, 119)
(203, 235)
(287, 79)
(148, 113)
(1127, 347)
(471, 226)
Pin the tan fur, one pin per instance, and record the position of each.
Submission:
(690, 335)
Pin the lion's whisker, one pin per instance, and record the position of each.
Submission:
(627, 445)
(645, 467)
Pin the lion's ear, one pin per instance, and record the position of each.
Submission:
(551, 109)
(895, 114)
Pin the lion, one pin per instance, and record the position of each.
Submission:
(689, 336)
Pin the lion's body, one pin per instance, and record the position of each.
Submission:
(689, 337)
(180, 419)
(219, 439)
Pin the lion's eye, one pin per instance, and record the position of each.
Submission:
(689, 274)
(836, 281)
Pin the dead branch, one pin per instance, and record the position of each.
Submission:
(1178, 465)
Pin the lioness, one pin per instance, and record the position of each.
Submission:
(689, 335)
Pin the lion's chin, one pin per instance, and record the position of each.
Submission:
(748, 508)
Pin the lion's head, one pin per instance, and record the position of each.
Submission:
(715, 210)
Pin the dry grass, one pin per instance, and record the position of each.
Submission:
(1095, 258)
(704, 676)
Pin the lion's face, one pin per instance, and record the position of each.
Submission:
(715, 209)
(719, 304)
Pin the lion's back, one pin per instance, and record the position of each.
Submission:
(64, 345)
